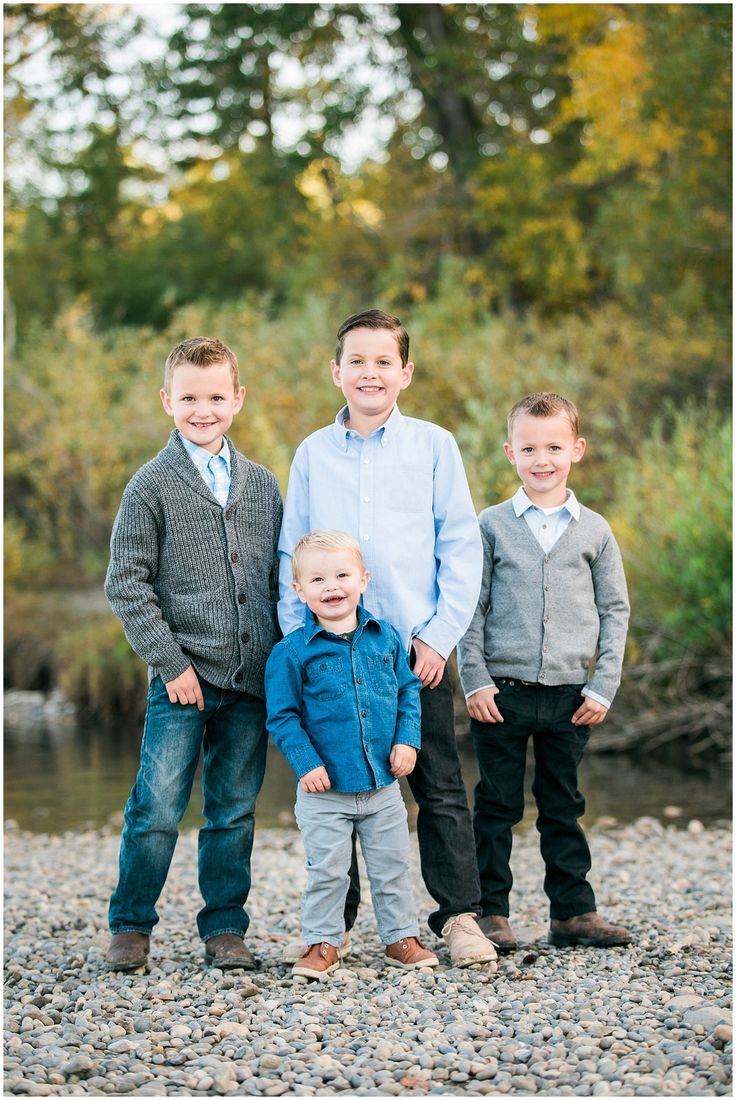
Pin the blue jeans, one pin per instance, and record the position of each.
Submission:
(231, 728)
(326, 822)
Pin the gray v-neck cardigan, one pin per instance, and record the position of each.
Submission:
(542, 616)
(193, 582)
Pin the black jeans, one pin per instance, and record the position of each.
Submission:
(444, 825)
(542, 713)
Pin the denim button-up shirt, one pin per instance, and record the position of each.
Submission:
(343, 704)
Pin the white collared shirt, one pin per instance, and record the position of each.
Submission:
(214, 469)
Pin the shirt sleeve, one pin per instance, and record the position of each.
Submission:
(409, 708)
(612, 603)
(284, 711)
(129, 587)
(457, 549)
(471, 662)
(295, 524)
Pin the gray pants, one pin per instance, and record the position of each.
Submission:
(326, 822)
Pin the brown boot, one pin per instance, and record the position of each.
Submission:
(410, 954)
(320, 959)
(587, 930)
(498, 930)
(127, 951)
(228, 952)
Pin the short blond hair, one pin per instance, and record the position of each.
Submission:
(200, 351)
(324, 540)
(544, 404)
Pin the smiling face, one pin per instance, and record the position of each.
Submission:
(331, 583)
(203, 402)
(371, 375)
(543, 448)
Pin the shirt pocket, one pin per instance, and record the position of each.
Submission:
(408, 488)
(326, 678)
(380, 668)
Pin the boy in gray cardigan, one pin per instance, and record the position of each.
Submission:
(193, 577)
(553, 597)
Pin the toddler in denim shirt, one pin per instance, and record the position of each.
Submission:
(343, 707)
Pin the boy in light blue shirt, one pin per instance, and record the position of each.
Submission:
(398, 486)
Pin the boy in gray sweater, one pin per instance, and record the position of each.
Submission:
(193, 577)
(553, 597)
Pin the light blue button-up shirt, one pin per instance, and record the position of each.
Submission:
(214, 469)
(403, 494)
(546, 524)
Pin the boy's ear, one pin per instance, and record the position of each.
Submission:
(335, 368)
(364, 580)
(239, 399)
(298, 589)
(166, 402)
(406, 374)
(509, 453)
(578, 449)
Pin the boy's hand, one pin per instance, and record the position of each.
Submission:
(316, 781)
(482, 705)
(402, 760)
(591, 713)
(185, 689)
(428, 663)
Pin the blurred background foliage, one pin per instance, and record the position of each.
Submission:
(541, 192)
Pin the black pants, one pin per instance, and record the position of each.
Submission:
(444, 825)
(542, 713)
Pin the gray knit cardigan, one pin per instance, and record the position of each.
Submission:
(544, 616)
(193, 582)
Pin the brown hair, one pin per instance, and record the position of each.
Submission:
(200, 351)
(544, 404)
(324, 540)
(374, 318)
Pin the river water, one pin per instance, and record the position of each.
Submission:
(70, 776)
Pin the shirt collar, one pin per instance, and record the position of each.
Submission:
(312, 627)
(385, 432)
(200, 456)
(522, 503)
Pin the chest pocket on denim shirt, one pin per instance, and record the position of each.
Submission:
(382, 675)
(326, 677)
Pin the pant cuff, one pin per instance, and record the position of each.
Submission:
(401, 934)
(115, 929)
(204, 936)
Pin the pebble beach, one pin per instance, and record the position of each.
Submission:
(653, 1019)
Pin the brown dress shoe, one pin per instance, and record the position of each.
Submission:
(127, 951)
(410, 954)
(587, 930)
(498, 930)
(228, 952)
(320, 959)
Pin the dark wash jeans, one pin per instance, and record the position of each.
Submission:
(542, 713)
(444, 825)
(231, 729)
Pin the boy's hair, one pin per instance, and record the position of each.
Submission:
(324, 540)
(374, 318)
(200, 351)
(544, 404)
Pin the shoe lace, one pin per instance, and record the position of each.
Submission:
(464, 922)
